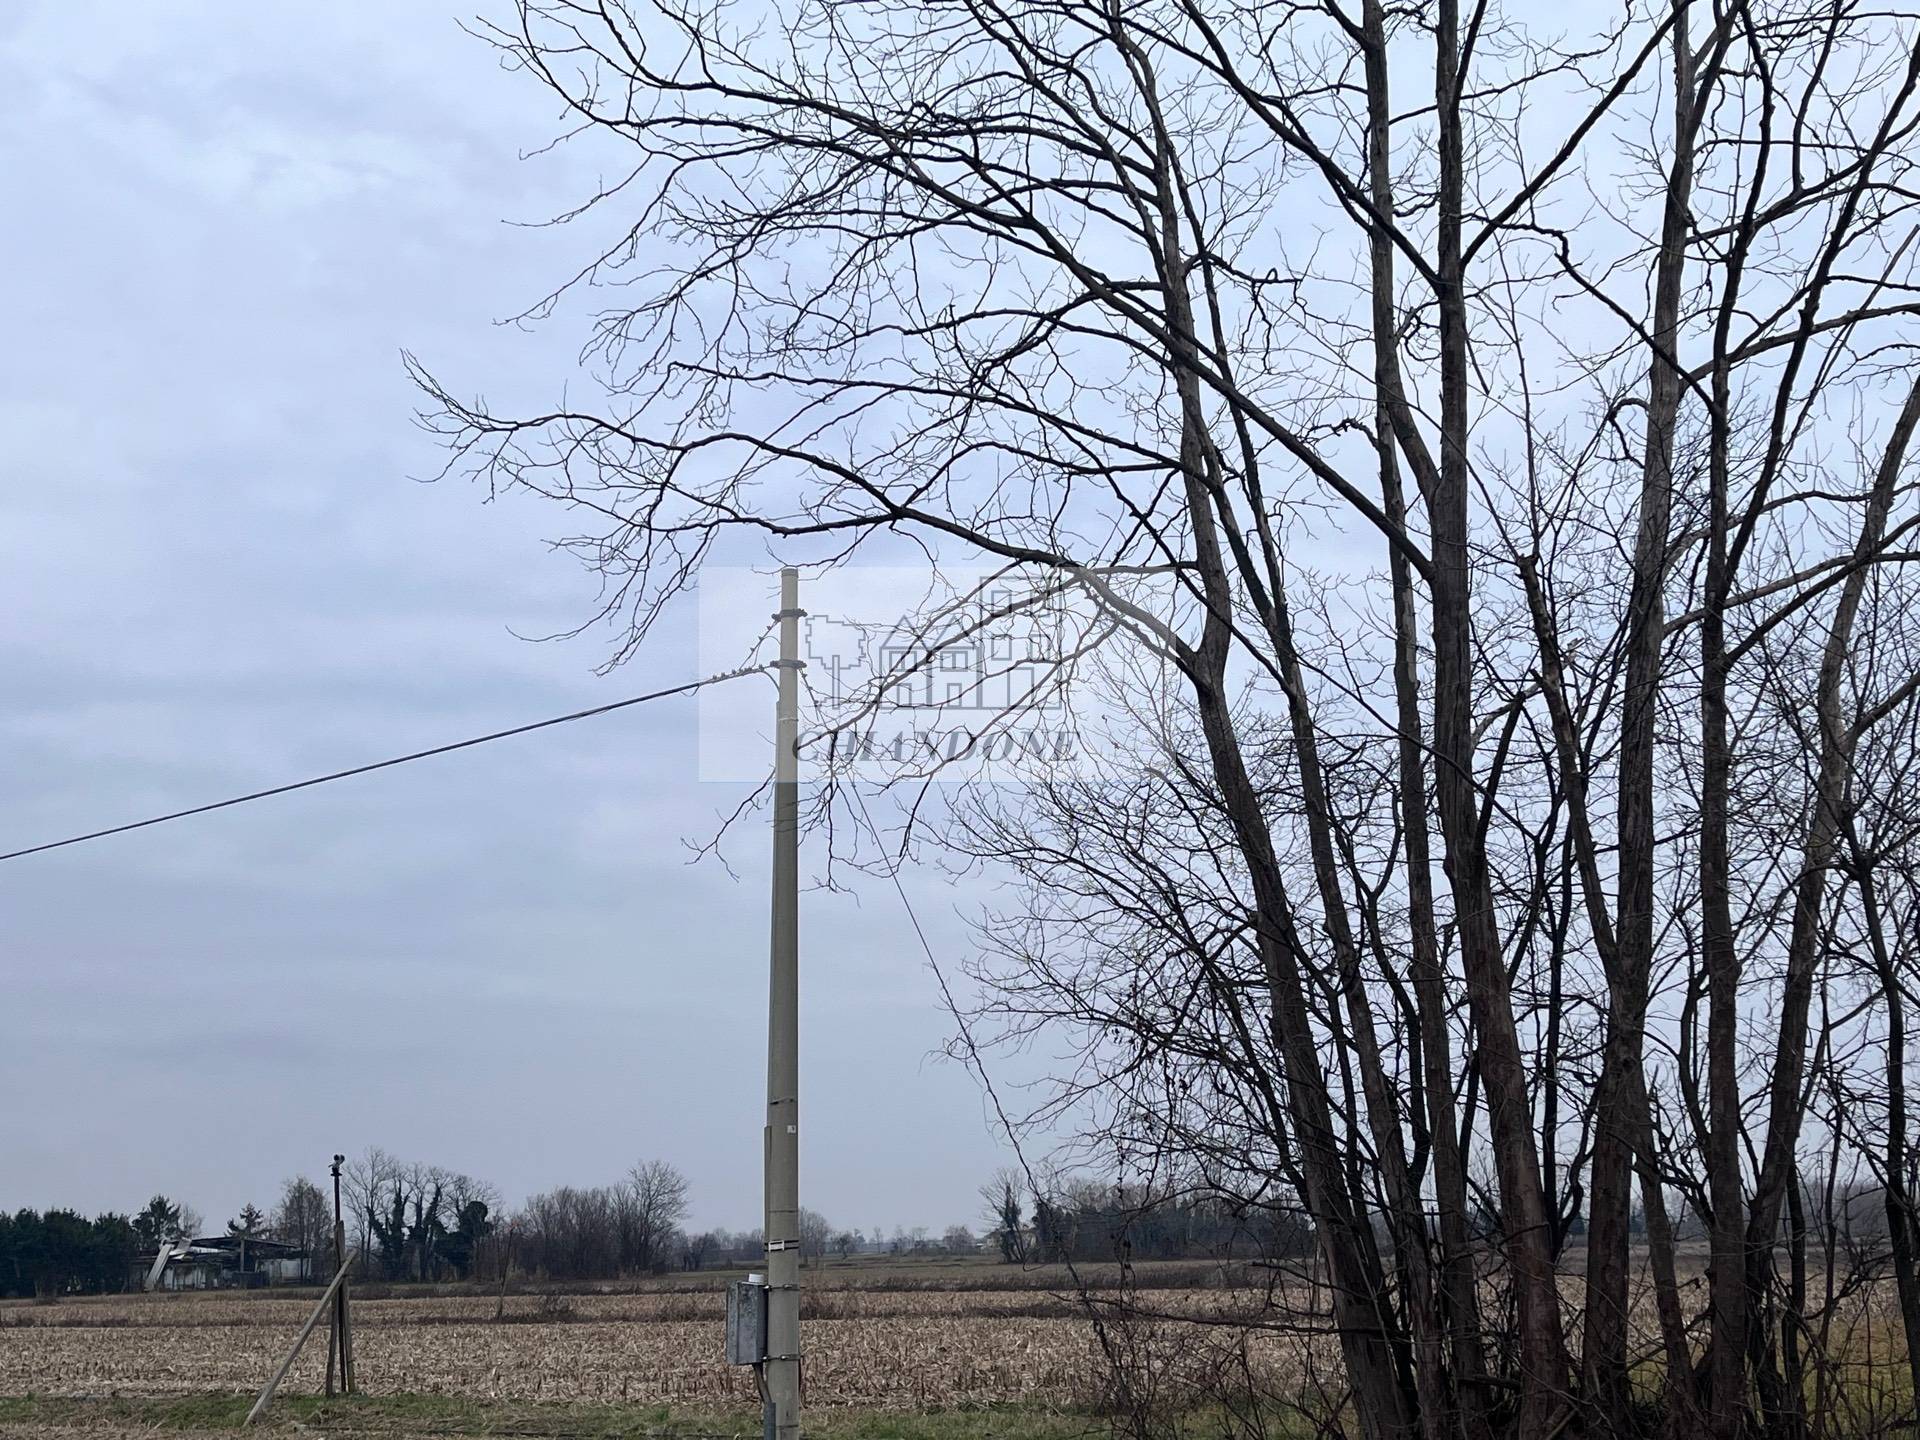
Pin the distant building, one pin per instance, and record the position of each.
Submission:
(223, 1262)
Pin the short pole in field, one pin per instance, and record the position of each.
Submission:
(273, 1384)
(339, 1316)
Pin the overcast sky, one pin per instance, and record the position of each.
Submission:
(223, 223)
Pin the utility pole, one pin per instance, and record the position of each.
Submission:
(782, 1365)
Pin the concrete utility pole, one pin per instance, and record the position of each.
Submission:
(782, 1369)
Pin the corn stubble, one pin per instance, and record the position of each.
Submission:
(888, 1351)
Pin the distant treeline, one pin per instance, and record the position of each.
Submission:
(605, 1232)
(1102, 1225)
(417, 1221)
(1081, 1220)
(60, 1252)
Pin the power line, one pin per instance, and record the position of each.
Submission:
(686, 689)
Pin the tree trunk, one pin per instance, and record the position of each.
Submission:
(1541, 1343)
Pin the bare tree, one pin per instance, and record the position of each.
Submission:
(304, 1217)
(1003, 1197)
(1474, 445)
(656, 1196)
(364, 1182)
(568, 1234)
(697, 1247)
(816, 1236)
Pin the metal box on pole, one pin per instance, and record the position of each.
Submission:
(747, 1321)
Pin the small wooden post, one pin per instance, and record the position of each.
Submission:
(266, 1394)
(340, 1253)
(351, 1385)
(339, 1319)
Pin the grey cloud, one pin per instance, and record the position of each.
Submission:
(217, 572)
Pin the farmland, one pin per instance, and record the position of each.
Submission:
(893, 1340)
(953, 1350)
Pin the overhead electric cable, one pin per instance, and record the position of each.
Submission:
(686, 689)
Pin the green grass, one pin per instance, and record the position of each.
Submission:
(400, 1415)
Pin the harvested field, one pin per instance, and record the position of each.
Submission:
(864, 1363)
(229, 1310)
(870, 1347)
(645, 1360)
